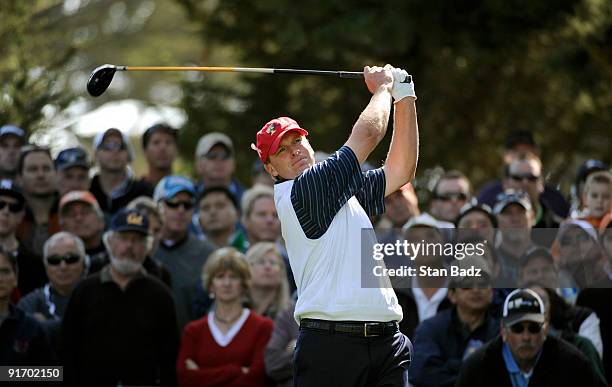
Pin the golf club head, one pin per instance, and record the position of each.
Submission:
(101, 78)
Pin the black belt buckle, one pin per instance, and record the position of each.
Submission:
(365, 329)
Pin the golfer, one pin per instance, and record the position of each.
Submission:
(348, 334)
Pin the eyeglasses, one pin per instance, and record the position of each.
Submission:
(445, 197)
(187, 205)
(13, 207)
(217, 155)
(532, 327)
(112, 145)
(528, 177)
(55, 260)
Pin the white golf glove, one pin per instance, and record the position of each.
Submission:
(402, 85)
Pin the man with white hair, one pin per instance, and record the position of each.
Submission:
(121, 316)
(65, 262)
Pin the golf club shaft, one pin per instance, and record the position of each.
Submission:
(341, 74)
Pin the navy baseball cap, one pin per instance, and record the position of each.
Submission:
(125, 140)
(9, 188)
(169, 186)
(129, 219)
(162, 128)
(523, 305)
(12, 130)
(72, 157)
(511, 196)
(588, 167)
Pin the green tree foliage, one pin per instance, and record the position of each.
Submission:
(31, 68)
(481, 69)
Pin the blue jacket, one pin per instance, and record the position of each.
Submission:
(440, 345)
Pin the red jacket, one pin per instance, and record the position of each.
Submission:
(221, 366)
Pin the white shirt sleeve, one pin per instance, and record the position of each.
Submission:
(590, 329)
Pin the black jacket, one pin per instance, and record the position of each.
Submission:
(560, 364)
(598, 299)
(110, 335)
(23, 341)
(109, 206)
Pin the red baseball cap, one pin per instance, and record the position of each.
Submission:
(78, 196)
(271, 134)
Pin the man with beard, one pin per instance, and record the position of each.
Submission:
(524, 354)
(120, 324)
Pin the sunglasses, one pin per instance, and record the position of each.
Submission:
(55, 260)
(217, 155)
(528, 177)
(451, 196)
(13, 207)
(532, 327)
(111, 146)
(187, 205)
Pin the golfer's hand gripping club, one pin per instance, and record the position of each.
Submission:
(402, 85)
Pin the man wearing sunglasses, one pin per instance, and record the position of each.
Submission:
(524, 354)
(115, 184)
(451, 192)
(12, 209)
(179, 251)
(65, 264)
(524, 173)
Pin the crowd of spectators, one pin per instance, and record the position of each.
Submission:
(163, 279)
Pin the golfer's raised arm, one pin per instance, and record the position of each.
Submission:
(401, 162)
(371, 125)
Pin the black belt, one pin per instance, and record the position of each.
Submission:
(353, 328)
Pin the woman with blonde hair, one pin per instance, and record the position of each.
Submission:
(269, 284)
(225, 347)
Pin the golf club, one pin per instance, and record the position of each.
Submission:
(102, 76)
